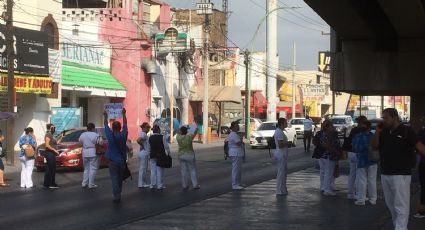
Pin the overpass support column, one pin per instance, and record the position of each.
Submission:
(417, 110)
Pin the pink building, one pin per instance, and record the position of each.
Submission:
(127, 26)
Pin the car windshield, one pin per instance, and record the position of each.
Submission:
(338, 121)
(297, 122)
(72, 136)
(267, 126)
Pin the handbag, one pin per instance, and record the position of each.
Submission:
(126, 171)
(29, 150)
(100, 147)
(164, 161)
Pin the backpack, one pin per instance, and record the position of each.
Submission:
(226, 149)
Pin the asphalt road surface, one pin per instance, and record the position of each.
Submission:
(72, 207)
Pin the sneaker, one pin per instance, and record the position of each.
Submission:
(351, 197)
(282, 194)
(237, 187)
(146, 186)
(372, 202)
(419, 214)
(84, 186)
(329, 193)
(197, 187)
(360, 203)
(161, 188)
(53, 187)
(152, 187)
(93, 186)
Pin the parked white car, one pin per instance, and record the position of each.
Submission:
(266, 131)
(298, 124)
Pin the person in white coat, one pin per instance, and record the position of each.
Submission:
(236, 149)
(91, 161)
(144, 153)
(281, 156)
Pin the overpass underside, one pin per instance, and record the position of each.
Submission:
(378, 47)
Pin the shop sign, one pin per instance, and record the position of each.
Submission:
(91, 54)
(171, 41)
(28, 84)
(31, 51)
(313, 90)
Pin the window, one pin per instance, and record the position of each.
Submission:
(267, 126)
(50, 30)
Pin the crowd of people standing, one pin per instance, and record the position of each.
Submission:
(392, 148)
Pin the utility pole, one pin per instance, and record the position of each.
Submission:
(294, 65)
(10, 78)
(247, 95)
(271, 63)
(204, 7)
(171, 98)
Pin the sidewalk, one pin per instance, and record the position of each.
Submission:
(257, 207)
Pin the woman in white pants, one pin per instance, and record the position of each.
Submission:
(236, 148)
(366, 169)
(27, 163)
(144, 153)
(158, 147)
(281, 156)
(187, 158)
(330, 143)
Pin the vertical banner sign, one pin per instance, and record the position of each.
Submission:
(114, 110)
(324, 62)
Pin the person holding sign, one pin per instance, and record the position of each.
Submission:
(116, 152)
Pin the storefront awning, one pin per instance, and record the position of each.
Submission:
(216, 94)
(95, 81)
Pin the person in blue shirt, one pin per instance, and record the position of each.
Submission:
(27, 163)
(366, 169)
(116, 152)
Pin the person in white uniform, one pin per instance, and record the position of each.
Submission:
(396, 144)
(144, 153)
(281, 156)
(236, 148)
(90, 160)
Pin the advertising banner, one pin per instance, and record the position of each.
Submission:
(66, 118)
(31, 51)
(28, 84)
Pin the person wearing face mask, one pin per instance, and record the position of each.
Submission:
(50, 154)
(144, 153)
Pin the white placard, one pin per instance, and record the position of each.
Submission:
(114, 110)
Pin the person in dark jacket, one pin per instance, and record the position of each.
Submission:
(159, 147)
(421, 172)
(2, 183)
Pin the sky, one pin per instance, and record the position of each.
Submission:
(302, 26)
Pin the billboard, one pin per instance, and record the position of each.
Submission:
(31, 51)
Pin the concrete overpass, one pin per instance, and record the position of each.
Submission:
(378, 47)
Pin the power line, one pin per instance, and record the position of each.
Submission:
(285, 19)
(312, 21)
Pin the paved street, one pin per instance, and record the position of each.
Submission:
(215, 206)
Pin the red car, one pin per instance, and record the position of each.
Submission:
(71, 151)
